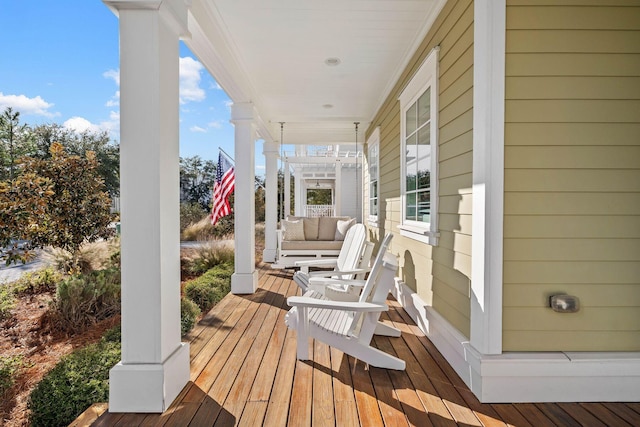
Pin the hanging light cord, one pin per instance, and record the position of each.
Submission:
(357, 178)
(281, 193)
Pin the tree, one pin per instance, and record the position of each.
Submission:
(78, 210)
(15, 142)
(106, 152)
(197, 177)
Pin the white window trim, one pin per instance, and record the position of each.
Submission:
(373, 141)
(426, 76)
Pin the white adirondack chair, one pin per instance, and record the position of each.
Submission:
(340, 289)
(345, 266)
(348, 326)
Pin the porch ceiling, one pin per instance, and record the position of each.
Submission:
(273, 53)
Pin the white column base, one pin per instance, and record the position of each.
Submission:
(269, 255)
(244, 283)
(513, 377)
(148, 388)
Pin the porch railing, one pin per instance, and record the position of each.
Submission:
(313, 211)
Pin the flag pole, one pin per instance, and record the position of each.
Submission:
(224, 153)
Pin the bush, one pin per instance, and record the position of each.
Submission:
(190, 213)
(9, 367)
(85, 299)
(203, 230)
(90, 257)
(189, 313)
(75, 383)
(208, 256)
(7, 301)
(37, 282)
(208, 289)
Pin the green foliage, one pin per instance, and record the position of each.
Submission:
(9, 368)
(208, 289)
(15, 142)
(36, 282)
(208, 256)
(85, 299)
(75, 383)
(190, 213)
(7, 301)
(113, 335)
(197, 177)
(189, 313)
(79, 209)
(79, 144)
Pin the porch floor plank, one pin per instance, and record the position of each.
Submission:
(244, 372)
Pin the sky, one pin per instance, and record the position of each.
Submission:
(59, 64)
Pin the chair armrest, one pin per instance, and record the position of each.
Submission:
(307, 302)
(338, 272)
(332, 262)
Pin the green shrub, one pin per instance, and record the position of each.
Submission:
(7, 301)
(75, 383)
(85, 299)
(113, 335)
(208, 256)
(190, 213)
(211, 287)
(9, 367)
(189, 313)
(37, 282)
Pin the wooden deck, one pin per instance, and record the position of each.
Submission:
(244, 372)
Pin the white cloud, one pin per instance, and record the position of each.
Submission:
(216, 124)
(25, 105)
(228, 103)
(113, 75)
(80, 124)
(197, 129)
(190, 79)
(215, 85)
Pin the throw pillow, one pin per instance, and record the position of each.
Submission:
(342, 227)
(293, 230)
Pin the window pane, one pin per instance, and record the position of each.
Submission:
(410, 209)
(424, 158)
(424, 206)
(411, 120)
(424, 107)
(373, 189)
(411, 163)
(373, 207)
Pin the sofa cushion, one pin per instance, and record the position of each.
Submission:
(327, 227)
(310, 228)
(342, 227)
(293, 230)
(316, 245)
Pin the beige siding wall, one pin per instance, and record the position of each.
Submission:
(440, 275)
(572, 175)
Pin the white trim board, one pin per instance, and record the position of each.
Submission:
(527, 377)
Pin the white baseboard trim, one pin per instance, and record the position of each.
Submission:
(528, 376)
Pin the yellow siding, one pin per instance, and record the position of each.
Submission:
(572, 175)
(440, 275)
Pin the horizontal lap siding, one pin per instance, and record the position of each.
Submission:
(440, 275)
(572, 175)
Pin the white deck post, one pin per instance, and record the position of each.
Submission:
(245, 278)
(270, 151)
(287, 190)
(299, 196)
(338, 190)
(155, 364)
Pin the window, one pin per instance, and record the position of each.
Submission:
(373, 161)
(419, 152)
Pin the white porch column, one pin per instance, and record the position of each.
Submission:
(245, 278)
(270, 151)
(338, 190)
(287, 190)
(300, 195)
(155, 364)
(488, 175)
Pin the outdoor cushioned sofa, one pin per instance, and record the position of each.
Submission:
(307, 238)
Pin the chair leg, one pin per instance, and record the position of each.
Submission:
(303, 334)
(386, 330)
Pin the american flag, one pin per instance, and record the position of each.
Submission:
(222, 189)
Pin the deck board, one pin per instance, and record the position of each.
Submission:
(244, 372)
